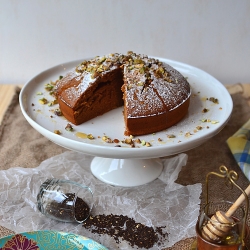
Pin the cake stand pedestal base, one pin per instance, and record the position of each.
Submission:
(126, 172)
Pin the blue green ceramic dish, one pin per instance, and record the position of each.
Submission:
(48, 240)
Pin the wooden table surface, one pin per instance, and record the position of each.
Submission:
(6, 93)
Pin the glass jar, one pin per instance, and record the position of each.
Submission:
(234, 228)
(65, 200)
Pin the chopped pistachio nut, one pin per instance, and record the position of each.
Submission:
(90, 136)
(128, 141)
(102, 59)
(94, 75)
(188, 134)
(53, 93)
(138, 140)
(58, 112)
(205, 110)
(142, 70)
(143, 143)
(129, 86)
(39, 93)
(106, 139)
(206, 120)
(214, 100)
(214, 122)
(43, 101)
(53, 103)
(171, 136)
(49, 86)
(69, 127)
(58, 132)
(199, 127)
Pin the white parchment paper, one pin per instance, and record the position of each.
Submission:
(159, 203)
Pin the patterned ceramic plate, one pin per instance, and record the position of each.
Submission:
(48, 240)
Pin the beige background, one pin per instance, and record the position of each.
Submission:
(209, 34)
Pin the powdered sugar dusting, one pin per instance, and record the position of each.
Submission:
(153, 87)
(139, 102)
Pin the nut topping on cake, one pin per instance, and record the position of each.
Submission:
(155, 95)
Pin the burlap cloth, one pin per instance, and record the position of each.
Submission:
(21, 145)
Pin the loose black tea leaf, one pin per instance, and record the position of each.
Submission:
(63, 210)
(122, 227)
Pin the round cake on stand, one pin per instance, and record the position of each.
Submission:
(116, 162)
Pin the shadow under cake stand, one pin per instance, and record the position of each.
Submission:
(123, 165)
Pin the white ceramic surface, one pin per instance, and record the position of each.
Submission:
(187, 133)
(126, 172)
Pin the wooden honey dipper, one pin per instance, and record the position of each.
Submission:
(216, 228)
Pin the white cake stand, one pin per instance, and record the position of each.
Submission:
(123, 165)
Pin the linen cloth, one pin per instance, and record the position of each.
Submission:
(21, 145)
